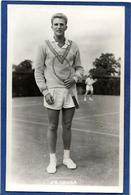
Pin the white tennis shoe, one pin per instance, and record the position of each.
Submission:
(69, 163)
(85, 99)
(90, 99)
(51, 167)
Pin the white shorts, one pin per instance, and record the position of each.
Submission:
(62, 99)
(89, 88)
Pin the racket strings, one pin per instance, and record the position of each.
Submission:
(61, 58)
(58, 70)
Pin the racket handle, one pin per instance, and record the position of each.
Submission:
(75, 102)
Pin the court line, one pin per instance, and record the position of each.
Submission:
(46, 118)
(96, 115)
(75, 118)
(31, 122)
(74, 129)
(34, 116)
(82, 117)
(27, 105)
(94, 121)
(100, 124)
(95, 132)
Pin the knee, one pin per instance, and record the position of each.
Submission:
(67, 126)
(53, 127)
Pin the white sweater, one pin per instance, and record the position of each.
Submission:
(44, 74)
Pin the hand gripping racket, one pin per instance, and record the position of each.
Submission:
(62, 71)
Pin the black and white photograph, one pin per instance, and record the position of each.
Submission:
(65, 98)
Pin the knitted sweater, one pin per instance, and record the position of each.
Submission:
(46, 59)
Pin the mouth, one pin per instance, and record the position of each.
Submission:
(59, 31)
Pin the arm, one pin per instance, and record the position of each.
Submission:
(79, 71)
(39, 75)
(94, 80)
(39, 70)
(86, 81)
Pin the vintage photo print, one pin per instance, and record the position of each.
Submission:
(88, 142)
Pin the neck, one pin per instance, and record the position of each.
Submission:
(59, 39)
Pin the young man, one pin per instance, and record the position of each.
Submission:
(57, 59)
(89, 87)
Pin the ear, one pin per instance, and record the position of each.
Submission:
(66, 27)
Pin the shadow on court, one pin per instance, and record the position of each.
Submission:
(95, 144)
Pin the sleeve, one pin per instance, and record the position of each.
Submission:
(79, 71)
(39, 70)
(86, 81)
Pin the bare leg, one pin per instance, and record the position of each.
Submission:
(85, 96)
(67, 116)
(91, 94)
(67, 123)
(53, 116)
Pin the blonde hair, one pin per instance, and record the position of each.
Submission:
(59, 15)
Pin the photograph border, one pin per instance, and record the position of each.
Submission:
(126, 151)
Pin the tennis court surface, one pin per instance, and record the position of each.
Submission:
(95, 143)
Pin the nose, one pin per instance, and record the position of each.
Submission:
(59, 26)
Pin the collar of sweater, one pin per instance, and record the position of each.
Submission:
(53, 41)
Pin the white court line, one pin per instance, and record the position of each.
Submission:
(46, 118)
(26, 105)
(32, 115)
(77, 118)
(92, 121)
(95, 132)
(96, 115)
(74, 129)
(31, 122)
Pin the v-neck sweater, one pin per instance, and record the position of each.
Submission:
(46, 59)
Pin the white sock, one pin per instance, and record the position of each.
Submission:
(66, 154)
(52, 165)
(52, 157)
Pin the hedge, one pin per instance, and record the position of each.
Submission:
(23, 84)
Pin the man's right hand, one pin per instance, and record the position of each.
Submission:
(49, 99)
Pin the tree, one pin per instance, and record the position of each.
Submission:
(25, 66)
(105, 66)
(107, 71)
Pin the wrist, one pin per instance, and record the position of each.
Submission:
(45, 92)
(75, 79)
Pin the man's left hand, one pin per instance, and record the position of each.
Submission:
(69, 82)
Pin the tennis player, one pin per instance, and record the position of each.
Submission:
(89, 87)
(57, 70)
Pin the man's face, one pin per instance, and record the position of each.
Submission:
(59, 26)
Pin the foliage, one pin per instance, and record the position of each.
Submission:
(24, 66)
(107, 71)
(105, 66)
(107, 86)
(23, 84)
